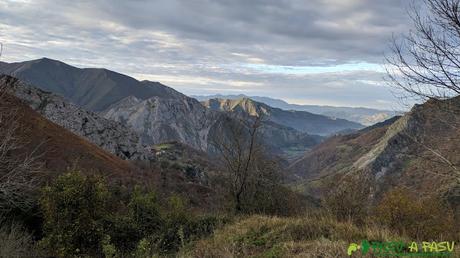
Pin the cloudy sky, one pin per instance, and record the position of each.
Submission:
(303, 51)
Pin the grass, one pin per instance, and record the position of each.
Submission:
(16, 242)
(163, 146)
(309, 236)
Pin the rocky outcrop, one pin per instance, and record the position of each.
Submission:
(300, 120)
(159, 120)
(185, 120)
(109, 135)
(364, 116)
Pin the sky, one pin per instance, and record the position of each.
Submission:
(326, 52)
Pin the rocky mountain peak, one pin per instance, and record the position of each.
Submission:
(109, 135)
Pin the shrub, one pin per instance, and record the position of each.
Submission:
(274, 200)
(350, 199)
(123, 233)
(74, 208)
(174, 232)
(83, 218)
(139, 219)
(144, 211)
(423, 218)
(178, 229)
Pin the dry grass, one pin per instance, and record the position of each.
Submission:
(16, 242)
(309, 236)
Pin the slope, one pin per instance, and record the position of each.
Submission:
(160, 120)
(360, 115)
(155, 112)
(109, 135)
(418, 150)
(58, 148)
(91, 88)
(299, 120)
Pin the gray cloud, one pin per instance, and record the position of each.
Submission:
(202, 46)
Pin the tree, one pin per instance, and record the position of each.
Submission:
(19, 170)
(252, 177)
(425, 64)
(349, 200)
(238, 152)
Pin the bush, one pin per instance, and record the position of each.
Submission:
(178, 229)
(174, 232)
(144, 211)
(123, 233)
(273, 199)
(422, 218)
(142, 219)
(83, 218)
(350, 199)
(74, 209)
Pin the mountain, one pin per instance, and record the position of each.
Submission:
(58, 148)
(365, 116)
(299, 120)
(186, 120)
(418, 150)
(160, 120)
(155, 112)
(93, 89)
(109, 135)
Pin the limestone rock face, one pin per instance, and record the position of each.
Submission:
(186, 120)
(160, 120)
(109, 135)
(300, 120)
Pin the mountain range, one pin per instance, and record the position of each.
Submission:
(418, 151)
(101, 120)
(364, 116)
(154, 112)
(299, 120)
(93, 89)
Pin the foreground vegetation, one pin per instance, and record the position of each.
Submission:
(85, 217)
(317, 235)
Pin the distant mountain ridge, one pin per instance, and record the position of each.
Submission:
(299, 120)
(155, 112)
(91, 88)
(160, 120)
(364, 116)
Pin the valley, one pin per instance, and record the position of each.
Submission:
(163, 138)
(209, 129)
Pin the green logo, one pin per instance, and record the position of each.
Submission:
(352, 248)
(401, 249)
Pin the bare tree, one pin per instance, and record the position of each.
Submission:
(425, 64)
(350, 199)
(426, 61)
(238, 152)
(18, 170)
(252, 178)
